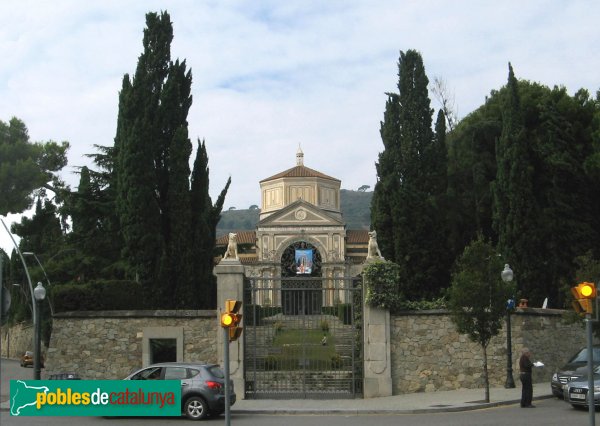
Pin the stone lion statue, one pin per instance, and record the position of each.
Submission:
(231, 252)
(373, 248)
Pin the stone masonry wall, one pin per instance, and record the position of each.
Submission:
(427, 354)
(15, 340)
(108, 345)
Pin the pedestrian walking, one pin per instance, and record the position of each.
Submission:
(525, 366)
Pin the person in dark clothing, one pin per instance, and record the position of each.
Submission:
(525, 366)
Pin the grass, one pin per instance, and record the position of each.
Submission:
(297, 349)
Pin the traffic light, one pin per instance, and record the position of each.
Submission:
(584, 294)
(231, 319)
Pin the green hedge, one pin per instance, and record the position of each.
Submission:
(99, 296)
(261, 312)
(342, 310)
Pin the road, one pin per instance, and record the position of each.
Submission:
(547, 412)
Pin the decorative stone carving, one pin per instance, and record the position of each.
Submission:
(300, 214)
(231, 252)
(373, 248)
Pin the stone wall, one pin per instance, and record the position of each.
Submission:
(427, 354)
(15, 340)
(110, 344)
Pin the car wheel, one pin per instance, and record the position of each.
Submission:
(195, 408)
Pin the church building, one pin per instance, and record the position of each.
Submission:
(301, 232)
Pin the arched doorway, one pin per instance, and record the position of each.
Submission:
(301, 290)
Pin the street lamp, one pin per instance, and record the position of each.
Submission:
(507, 276)
(39, 294)
(30, 253)
(33, 304)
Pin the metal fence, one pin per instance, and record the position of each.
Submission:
(303, 338)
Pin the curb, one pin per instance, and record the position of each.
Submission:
(389, 411)
(4, 406)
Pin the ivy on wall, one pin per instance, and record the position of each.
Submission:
(382, 285)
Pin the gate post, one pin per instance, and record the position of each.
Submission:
(230, 285)
(377, 348)
(378, 367)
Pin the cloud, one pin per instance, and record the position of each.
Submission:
(270, 75)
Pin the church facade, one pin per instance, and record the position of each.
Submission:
(301, 234)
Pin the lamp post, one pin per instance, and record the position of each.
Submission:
(507, 276)
(34, 309)
(39, 294)
(30, 253)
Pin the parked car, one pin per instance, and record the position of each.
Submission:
(574, 369)
(202, 386)
(64, 376)
(27, 359)
(576, 391)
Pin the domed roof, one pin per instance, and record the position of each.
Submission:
(300, 171)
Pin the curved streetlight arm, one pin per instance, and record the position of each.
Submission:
(35, 314)
(30, 253)
(24, 267)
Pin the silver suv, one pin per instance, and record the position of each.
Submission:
(202, 386)
(574, 369)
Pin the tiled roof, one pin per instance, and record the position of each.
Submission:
(354, 236)
(300, 171)
(243, 237)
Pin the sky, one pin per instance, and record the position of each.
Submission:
(270, 76)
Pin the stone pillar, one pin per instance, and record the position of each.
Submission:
(230, 285)
(377, 352)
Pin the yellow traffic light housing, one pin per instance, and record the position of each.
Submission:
(231, 319)
(584, 294)
(227, 320)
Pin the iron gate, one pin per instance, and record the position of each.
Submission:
(303, 338)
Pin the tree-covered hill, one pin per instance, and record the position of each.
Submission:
(356, 208)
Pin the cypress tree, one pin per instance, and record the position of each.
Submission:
(412, 184)
(177, 268)
(515, 204)
(388, 180)
(156, 206)
(205, 217)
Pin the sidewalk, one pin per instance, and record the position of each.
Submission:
(415, 403)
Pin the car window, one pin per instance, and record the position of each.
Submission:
(152, 373)
(582, 355)
(176, 373)
(216, 371)
(192, 372)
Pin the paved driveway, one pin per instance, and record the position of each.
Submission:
(11, 370)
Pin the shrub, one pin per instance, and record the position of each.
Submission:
(382, 281)
(99, 295)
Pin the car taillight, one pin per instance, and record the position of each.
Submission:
(213, 385)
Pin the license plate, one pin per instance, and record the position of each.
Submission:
(578, 396)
